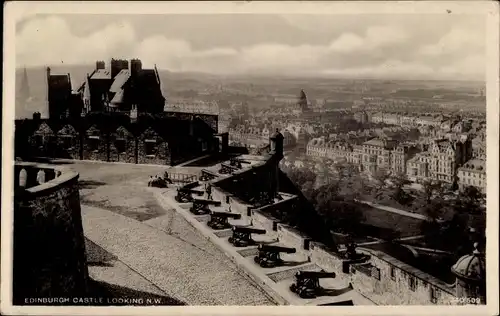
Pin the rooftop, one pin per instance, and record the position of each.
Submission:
(474, 165)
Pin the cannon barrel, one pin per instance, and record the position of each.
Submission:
(250, 230)
(226, 214)
(206, 202)
(240, 160)
(314, 274)
(191, 185)
(184, 190)
(270, 248)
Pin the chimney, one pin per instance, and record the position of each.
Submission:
(135, 66)
(133, 113)
(100, 65)
(37, 116)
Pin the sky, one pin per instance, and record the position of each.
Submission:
(412, 46)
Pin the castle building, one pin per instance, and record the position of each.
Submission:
(121, 87)
(117, 114)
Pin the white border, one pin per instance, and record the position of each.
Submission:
(15, 11)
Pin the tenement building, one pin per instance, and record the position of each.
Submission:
(473, 173)
(441, 161)
(117, 114)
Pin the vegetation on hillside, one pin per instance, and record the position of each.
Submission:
(450, 216)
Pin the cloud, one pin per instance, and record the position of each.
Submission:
(375, 50)
(456, 40)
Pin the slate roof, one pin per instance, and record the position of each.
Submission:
(474, 165)
(101, 74)
(120, 80)
(118, 98)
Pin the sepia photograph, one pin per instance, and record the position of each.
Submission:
(176, 155)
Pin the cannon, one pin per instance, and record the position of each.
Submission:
(307, 283)
(219, 220)
(226, 169)
(185, 195)
(207, 175)
(269, 256)
(242, 235)
(201, 206)
(235, 162)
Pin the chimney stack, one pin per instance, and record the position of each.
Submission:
(100, 65)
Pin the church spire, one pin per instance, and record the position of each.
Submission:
(24, 90)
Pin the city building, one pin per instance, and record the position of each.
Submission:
(377, 154)
(441, 161)
(361, 117)
(473, 174)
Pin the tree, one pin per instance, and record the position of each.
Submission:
(300, 176)
(380, 176)
(399, 194)
(469, 202)
(432, 189)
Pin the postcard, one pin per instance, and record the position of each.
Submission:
(248, 158)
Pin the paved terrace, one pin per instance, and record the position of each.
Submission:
(151, 250)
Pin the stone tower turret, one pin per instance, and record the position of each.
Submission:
(470, 271)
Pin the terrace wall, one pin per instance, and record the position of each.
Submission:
(49, 250)
(381, 288)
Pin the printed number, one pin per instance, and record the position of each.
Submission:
(467, 300)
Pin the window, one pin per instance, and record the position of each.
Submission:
(93, 143)
(121, 145)
(393, 273)
(150, 147)
(412, 282)
(38, 140)
(67, 142)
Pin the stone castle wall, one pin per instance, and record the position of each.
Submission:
(49, 249)
(161, 154)
(130, 154)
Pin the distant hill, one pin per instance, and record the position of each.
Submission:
(177, 83)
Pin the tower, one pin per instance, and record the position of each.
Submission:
(302, 101)
(470, 271)
(276, 146)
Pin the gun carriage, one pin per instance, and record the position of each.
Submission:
(307, 283)
(235, 162)
(227, 169)
(242, 236)
(269, 256)
(207, 175)
(220, 220)
(201, 206)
